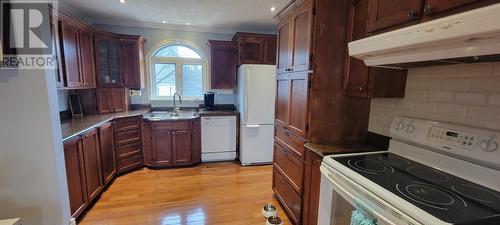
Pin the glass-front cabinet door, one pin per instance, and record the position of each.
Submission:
(108, 61)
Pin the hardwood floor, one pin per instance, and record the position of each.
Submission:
(215, 193)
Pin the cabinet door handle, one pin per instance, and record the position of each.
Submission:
(412, 14)
(428, 9)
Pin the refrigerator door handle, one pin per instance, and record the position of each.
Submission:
(246, 96)
(252, 126)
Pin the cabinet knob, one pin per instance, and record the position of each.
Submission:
(428, 9)
(360, 88)
(412, 14)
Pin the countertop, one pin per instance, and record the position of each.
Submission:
(73, 127)
(341, 148)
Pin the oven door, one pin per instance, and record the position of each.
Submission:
(343, 202)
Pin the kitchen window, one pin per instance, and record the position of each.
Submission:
(177, 68)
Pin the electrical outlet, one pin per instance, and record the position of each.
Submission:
(72, 221)
(135, 93)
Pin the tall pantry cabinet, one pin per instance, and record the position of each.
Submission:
(310, 102)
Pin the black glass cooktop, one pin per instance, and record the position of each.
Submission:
(447, 197)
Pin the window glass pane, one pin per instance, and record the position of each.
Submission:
(192, 79)
(177, 51)
(164, 79)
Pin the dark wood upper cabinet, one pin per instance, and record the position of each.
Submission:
(301, 36)
(255, 48)
(87, 57)
(436, 6)
(389, 13)
(92, 164)
(71, 54)
(223, 63)
(107, 154)
(282, 98)
(110, 100)
(182, 147)
(132, 48)
(363, 81)
(284, 40)
(298, 103)
(75, 175)
(107, 60)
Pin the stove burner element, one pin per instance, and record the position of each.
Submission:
(398, 161)
(429, 195)
(370, 166)
(428, 174)
(475, 192)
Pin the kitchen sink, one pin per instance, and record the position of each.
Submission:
(165, 115)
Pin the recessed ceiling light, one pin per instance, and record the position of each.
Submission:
(122, 1)
(188, 23)
(163, 21)
(273, 9)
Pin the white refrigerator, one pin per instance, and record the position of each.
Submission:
(256, 96)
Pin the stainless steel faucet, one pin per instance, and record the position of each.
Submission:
(180, 101)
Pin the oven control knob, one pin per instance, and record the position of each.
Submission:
(493, 146)
(410, 128)
(400, 125)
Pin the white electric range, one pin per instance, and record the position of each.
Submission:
(433, 173)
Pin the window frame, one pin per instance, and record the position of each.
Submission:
(179, 62)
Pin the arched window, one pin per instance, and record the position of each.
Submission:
(177, 68)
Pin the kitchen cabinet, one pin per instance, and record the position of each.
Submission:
(223, 63)
(77, 54)
(175, 143)
(92, 164)
(56, 49)
(71, 54)
(255, 48)
(110, 100)
(311, 104)
(363, 81)
(128, 143)
(107, 62)
(107, 154)
(294, 39)
(87, 57)
(284, 40)
(438, 6)
(75, 175)
(132, 49)
(389, 13)
(312, 184)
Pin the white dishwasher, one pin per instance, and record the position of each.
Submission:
(218, 138)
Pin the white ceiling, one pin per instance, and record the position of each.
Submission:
(220, 16)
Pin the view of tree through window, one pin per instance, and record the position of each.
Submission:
(177, 68)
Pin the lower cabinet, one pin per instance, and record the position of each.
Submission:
(128, 144)
(312, 181)
(174, 143)
(108, 159)
(75, 175)
(83, 170)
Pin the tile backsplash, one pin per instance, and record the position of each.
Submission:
(462, 94)
(62, 98)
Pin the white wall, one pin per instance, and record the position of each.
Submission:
(462, 94)
(155, 37)
(32, 173)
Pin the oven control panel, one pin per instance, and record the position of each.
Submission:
(467, 142)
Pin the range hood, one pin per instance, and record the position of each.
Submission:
(469, 37)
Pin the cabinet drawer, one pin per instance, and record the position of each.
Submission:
(177, 125)
(124, 151)
(130, 162)
(291, 167)
(127, 137)
(287, 139)
(290, 200)
(129, 123)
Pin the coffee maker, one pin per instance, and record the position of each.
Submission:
(209, 101)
